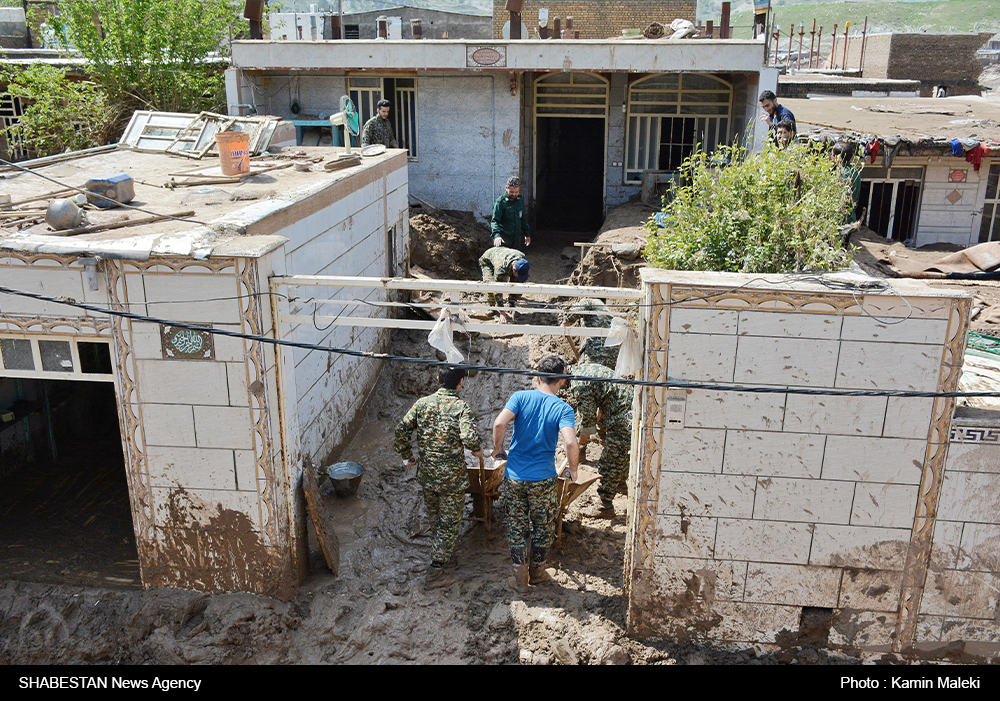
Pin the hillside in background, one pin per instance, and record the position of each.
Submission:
(900, 16)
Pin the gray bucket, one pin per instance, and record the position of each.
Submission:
(346, 476)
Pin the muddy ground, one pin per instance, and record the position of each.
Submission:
(375, 610)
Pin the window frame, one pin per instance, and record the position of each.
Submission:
(643, 127)
(408, 138)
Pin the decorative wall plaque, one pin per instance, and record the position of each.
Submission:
(958, 176)
(486, 56)
(186, 344)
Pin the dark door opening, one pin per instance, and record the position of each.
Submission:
(570, 174)
(64, 503)
(890, 207)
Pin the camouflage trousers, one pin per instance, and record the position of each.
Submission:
(497, 300)
(613, 465)
(445, 509)
(531, 512)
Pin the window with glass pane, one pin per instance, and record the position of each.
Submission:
(669, 116)
(16, 354)
(56, 356)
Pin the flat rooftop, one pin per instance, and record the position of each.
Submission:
(595, 55)
(224, 218)
(915, 118)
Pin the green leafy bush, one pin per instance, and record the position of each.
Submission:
(777, 211)
(60, 114)
(153, 54)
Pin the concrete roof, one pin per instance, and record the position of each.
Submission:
(230, 219)
(914, 118)
(596, 55)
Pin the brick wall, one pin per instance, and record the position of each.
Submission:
(933, 59)
(599, 19)
(746, 508)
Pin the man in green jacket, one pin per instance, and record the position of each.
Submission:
(510, 221)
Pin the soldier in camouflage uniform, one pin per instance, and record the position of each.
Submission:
(594, 350)
(501, 264)
(604, 408)
(444, 424)
(378, 129)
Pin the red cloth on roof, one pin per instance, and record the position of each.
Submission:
(874, 148)
(976, 155)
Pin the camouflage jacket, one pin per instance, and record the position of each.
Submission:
(496, 262)
(594, 350)
(378, 131)
(444, 424)
(614, 400)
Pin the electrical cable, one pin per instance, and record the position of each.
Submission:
(671, 384)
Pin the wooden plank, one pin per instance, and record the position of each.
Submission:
(317, 512)
(377, 322)
(395, 283)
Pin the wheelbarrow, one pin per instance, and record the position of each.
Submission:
(568, 491)
(484, 486)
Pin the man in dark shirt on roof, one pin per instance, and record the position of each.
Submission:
(774, 113)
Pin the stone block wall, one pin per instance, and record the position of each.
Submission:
(751, 511)
(600, 19)
(961, 598)
(343, 230)
(199, 436)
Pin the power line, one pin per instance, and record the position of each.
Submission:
(672, 384)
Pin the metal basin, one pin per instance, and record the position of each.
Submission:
(345, 476)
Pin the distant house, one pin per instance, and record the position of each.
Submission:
(580, 121)
(915, 188)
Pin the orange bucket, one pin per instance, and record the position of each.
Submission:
(234, 152)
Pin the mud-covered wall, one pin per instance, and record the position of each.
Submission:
(763, 517)
(961, 600)
(199, 431)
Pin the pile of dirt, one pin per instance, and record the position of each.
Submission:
(615, 256)
(447, 244)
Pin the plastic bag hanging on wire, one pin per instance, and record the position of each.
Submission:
(441, 335)
(629, 355)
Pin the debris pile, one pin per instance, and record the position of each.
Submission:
(447, 244)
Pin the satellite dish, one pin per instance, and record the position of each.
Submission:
(505, 32)
(348, 118)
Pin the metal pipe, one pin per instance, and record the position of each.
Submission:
(833, 49)
(819, 45)
(798, 58)
(791, 37)
(812, 38)
(864, 39)
(847, 28)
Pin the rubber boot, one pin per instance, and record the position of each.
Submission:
(537, 573)
(519, 582)
(437, 577)
(600, 511)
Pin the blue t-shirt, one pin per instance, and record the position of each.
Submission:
(538, 418)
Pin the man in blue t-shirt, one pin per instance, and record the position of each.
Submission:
(539, 417)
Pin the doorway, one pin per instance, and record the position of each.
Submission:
(889, 201)
(570, 143)
(570, 182)
(66, 515)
